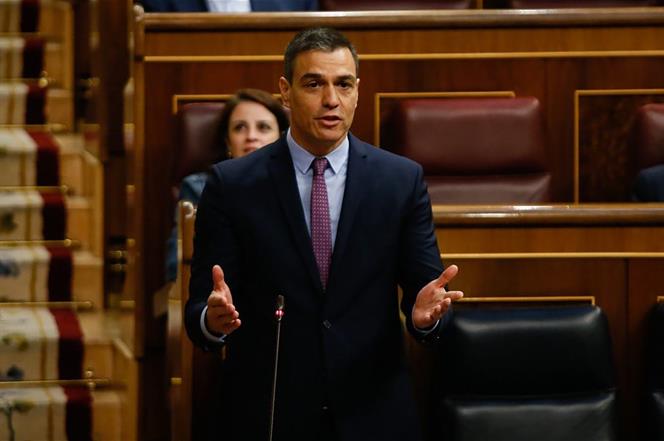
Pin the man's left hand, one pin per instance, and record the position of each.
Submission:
(433, 300)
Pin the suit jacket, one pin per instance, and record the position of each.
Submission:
(340, 349)
(649, 185)
(201, 5)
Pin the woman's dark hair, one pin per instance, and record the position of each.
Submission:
(256, 96)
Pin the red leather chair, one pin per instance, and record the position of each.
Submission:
(372, 5)
(200, 143)
(473, 150)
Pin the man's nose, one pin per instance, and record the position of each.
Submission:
(330, 97)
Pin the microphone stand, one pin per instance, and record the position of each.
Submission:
(278, 315)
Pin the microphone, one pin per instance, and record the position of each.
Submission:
(279, 312)
(278, 315)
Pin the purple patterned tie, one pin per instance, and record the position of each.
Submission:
(321, 237)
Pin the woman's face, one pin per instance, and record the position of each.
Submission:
(251, 126)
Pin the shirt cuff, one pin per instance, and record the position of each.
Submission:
(428, 330)
(208, 334)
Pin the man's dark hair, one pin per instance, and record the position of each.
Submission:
(316, 39)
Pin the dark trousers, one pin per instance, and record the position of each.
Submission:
(327, 428)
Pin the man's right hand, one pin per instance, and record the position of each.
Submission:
(221, 316)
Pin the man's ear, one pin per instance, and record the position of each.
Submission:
(357, 87)
(284, 88)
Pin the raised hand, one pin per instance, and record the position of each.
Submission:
(221, 317)
(433, 300)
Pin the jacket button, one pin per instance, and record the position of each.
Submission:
(327, 324)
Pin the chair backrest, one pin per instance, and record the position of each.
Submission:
(649, 136)
(200, 144)
(527, 373)
(654, 408)
(473, 150)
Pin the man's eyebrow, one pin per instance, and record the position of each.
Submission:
(317, 76)
(311, 76)
(348, 77)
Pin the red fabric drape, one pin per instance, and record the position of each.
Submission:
(35, 108)
(48, 158)
(70, 345)
(30, 10)
(33, 57)
(60, 274)
(54, 216)
(78, 419)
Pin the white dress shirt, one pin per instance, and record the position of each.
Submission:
(229, 5)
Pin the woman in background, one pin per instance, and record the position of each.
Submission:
(251, 119)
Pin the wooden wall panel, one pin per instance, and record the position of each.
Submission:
(549, 239)
(565, 276)
(592, 228)
(628, 29)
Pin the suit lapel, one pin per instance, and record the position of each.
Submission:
(356, 175)
(282, 174)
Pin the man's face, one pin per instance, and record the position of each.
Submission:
(322, 98)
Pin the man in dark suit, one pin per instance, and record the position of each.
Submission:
(649, 185)
(203, 6)
(334, 225)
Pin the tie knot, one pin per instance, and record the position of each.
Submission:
(319, 165)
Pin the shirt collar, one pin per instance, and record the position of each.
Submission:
(302, 159)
